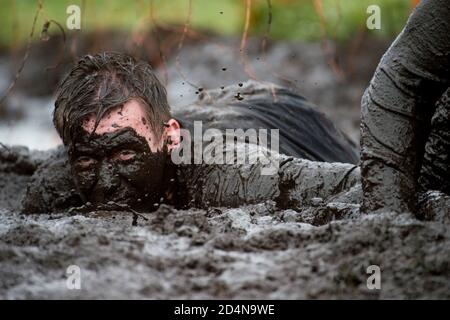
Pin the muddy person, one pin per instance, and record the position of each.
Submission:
(118, 132)
(113, 117)
(405, 119)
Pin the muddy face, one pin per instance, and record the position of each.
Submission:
(120, 167)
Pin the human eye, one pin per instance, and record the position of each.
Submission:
(85, 162)
(125, 155)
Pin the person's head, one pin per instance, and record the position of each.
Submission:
(112, 113)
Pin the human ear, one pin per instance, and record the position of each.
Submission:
(172, 133)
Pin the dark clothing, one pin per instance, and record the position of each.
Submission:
(435, 173)
(304, 131)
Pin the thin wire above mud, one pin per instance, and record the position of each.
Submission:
(264, 52)
(26, 55)
(331, 56)
(158, 42)
(180, 46)
(45, 37)
(247, 67)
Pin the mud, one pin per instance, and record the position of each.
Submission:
(317, 249)
(306, 242)
(16, 167)
(250, 252)
(397, 109)
(100, 177)
(51, 186)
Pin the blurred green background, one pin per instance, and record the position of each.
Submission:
(291, 19)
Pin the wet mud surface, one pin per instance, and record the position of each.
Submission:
(319, 250)
(249, 252)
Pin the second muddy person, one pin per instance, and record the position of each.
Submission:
(404, 119)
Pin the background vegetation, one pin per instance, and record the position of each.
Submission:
(305, 20)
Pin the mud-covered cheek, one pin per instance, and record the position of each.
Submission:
(135, 173)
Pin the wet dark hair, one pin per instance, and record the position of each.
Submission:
(98, 83)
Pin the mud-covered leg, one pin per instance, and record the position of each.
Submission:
(398, 105)
(435, 173)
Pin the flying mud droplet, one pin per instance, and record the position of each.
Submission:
(239, 97)
(44, 33)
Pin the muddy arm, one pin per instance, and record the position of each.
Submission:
(20, 160)
(301, 181)
(398, 105)
(293, 184)
(51, 188)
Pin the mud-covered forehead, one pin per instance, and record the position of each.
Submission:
(102, 144)
(130, 115)
(99, 83)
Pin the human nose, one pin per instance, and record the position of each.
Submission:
(107, 181)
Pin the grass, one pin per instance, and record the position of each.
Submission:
(292, 19)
